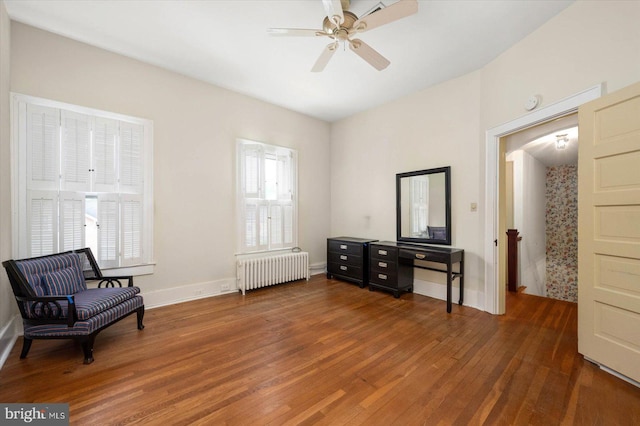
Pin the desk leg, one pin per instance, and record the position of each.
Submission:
(449, 283)
(461, 280)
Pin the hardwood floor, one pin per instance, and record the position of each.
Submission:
(327, 352)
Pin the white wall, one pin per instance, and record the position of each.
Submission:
(529, 184)
(586, 44)
(195, 130)
(433, 128)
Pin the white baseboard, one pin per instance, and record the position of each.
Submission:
(185, 293)
(8, 336)
(318, 268)
(472, 298)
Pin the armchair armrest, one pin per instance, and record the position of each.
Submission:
(112, 281)
(47, 308)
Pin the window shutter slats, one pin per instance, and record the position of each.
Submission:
(131, 229)
(288, 224)
(263, 225)
(251, 171)
(72, 221)
(276, 220)
(43, 144)
(250, 233)
(131, 138)
(285, 191)
(42, 207)
(76, 137)
(108, 212)
(105, 132)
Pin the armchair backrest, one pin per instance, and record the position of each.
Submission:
(54, 274)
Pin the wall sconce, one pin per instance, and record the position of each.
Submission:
(561, 141)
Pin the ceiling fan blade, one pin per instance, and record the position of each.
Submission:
(333, 8)
(398, 10)
(324, 58)
(296, 32)
(367, 53)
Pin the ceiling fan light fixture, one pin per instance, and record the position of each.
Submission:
(340, 25)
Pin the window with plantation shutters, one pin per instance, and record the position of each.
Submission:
(266, 197)
(81, 177)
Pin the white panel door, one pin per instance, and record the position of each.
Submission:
(609, 231)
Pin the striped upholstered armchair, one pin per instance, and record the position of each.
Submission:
(55, 303)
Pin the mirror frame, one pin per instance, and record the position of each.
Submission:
(447, 182)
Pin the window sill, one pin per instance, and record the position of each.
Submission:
(135, 270)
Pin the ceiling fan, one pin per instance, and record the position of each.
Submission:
(341, 25)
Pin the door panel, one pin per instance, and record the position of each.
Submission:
(609, 231)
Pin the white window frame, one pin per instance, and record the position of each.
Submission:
(20, 190)
(287, 196)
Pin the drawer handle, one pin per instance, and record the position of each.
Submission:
(420, 256)
(344, 268)
(382, 276)
(382, 264)
(343, 246)
(382, 252)
(343, 257)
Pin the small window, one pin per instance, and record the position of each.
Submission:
(266, 197)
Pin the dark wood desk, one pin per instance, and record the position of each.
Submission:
(392, 265)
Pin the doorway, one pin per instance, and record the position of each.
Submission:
(542, 208)
(495, 240)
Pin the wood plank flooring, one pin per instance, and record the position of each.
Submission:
(327, 352)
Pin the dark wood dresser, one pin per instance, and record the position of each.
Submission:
(386, 271)
(348, 259)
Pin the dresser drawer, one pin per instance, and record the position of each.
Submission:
(384, 278)
(345, 259)
(385, 266)
(344, 247)
(383, 253)
(352, 271)
(426, 256)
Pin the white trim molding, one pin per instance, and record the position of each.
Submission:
(493, 297)
(8, 336)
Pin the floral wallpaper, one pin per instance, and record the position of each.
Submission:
(562, 232)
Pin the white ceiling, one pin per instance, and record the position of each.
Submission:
(226, 43)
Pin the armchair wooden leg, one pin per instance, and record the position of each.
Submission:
(87, 348)
(26, 345)
(140, 315)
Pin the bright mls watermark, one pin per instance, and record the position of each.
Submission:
(34, 414)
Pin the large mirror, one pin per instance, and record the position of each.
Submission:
(423, 203)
